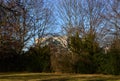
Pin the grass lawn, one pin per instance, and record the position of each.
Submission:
(56, 77)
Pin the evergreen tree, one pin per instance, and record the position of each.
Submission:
(85, 48)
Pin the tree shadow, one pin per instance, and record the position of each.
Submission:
(62, 79)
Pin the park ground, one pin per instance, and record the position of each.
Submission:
(56, 77)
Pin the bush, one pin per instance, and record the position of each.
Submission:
(13, 64)
(100, 61)
(85, 65)
(113, 64)
(107, 63)
(39, 59)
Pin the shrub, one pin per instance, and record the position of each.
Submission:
(39, 59)
(107, 63)
(85, 65)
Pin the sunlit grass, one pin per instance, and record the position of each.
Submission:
(56, 77)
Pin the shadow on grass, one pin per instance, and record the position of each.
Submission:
(86, 79)
(63, 79)
(95, 79)
(33, 76)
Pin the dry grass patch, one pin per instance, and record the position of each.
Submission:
(56, 77)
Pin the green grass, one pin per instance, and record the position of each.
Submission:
(56, 77)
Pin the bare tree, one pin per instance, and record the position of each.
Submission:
(23, 20)
(113, 17)
(83, 16)
(42, 18)
(10, 26)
